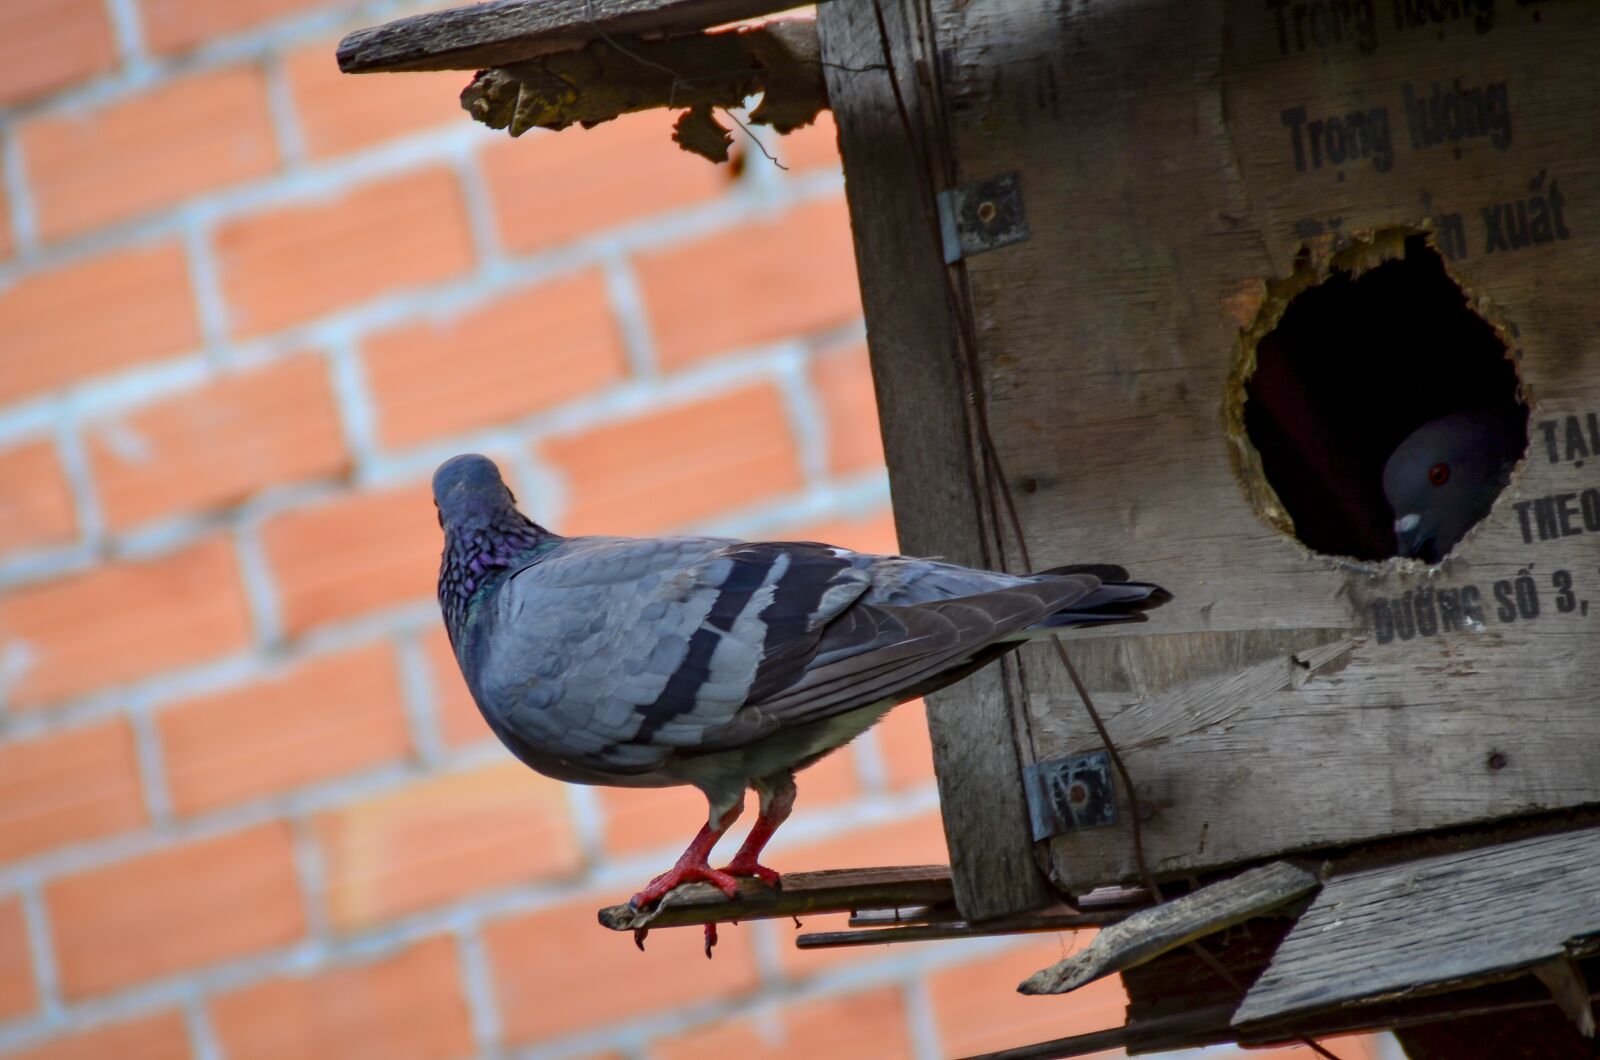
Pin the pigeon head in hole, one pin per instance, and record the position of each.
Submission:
(720, 664)
(1444, 477)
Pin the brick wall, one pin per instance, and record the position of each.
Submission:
(246, 807)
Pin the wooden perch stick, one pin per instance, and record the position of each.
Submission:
(833, 891)
(1148, 934)
(509, 31)
(780, 61)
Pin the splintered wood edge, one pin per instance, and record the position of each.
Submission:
(1148, 934)
(830, 891)
(508, 31)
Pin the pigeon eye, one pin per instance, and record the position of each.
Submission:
(1439, 474)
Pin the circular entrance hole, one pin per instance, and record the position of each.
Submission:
(1387, 369)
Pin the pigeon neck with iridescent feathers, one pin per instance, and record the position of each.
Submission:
(484, 535)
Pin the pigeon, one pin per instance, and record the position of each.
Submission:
(1443, 479)
(721, 664)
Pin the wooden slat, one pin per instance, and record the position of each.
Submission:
(1151, 932)
(508, 31)
(831, 891)
(957, 929)
(1431, 924)
(923, 413)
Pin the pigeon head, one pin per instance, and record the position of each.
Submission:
(483, 532)
(469, 492)
(1445, 477)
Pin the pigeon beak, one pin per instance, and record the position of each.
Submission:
(1407, 534)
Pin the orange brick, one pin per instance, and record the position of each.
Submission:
(18, 995)
(460, 721)
(290, 265)
(160, 1037)
(35, 505)
(218, 445)
(757, 283)
(176, 909)
(142, 310)
(904, 745)
(630, 169)
(340, 113)
(68, 787)
(353, 555)
(526, 352)
(153, 150)
(870, 1025)
(814, 147)
(874, 534)
(177, 25)
(843, 381)
(49, 44)
(977, 1008)
(329, 716)
(668, 468)
(444, 839)
(404, 1007)
(642, 819)
(125, 621)
(541, 998)
(916, 841)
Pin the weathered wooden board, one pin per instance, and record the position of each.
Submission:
(1149, 933)
(912, 333)
(507, 31)
(1168, 175)
(1440, 922)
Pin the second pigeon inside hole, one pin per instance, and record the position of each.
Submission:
(1387, 413)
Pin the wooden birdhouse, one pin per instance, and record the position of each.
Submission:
(1164, 284)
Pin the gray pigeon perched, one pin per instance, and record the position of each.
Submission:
(717, 663)
(1445, 477)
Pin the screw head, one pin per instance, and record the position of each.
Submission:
(987, 211)
(1497, 759)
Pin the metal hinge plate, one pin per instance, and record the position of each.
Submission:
(983, 216)
(1070, 794)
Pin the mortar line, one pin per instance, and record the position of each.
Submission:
(419, 697)
(152, 766)
(281, 110)
(46, 976)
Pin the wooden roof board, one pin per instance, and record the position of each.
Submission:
(1433, 924)
(480, 36)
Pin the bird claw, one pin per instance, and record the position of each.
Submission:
(639, 935)
(678, 875)
(755, 870)
(711, 939)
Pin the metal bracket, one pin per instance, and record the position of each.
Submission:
(1070, 794)
(983, 216)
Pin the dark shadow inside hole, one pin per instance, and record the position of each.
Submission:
(1353, 367)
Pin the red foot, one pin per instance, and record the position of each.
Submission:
(682, 873)
(749, 866)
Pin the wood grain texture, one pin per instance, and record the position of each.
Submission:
(829, 891)
(938, 511)
(1162, 195)
(1432, 924)
(1149, 933)
(507, 31)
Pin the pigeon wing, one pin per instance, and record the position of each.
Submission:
(616, 653)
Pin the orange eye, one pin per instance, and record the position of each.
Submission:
(1439, 474)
